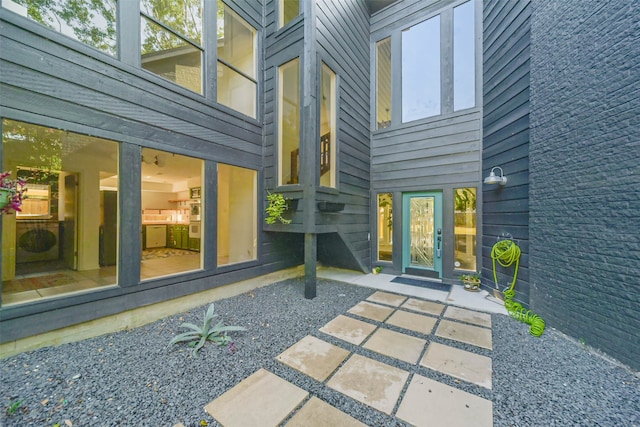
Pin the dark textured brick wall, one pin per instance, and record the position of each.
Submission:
(584, 164)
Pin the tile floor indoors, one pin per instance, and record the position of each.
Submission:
(377, 324)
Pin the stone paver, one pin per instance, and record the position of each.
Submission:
(350, 330)
(423, 306)
(461, 364)
(412, 321)
(371, 382)
(474, 335)
(313, 357)
(262, 399)
(396, 345)
(430, 403)
(317, 413)
(387, 298)
(469, 316)
(371, 311)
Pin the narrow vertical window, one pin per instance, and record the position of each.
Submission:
(385, 226)
(172, 206)
(383, 83)
(237, 86)
(465, 229)
(464, 76)
(421, 70)
(289, 123)
(237, 214)
(328, 128)
(288, 9)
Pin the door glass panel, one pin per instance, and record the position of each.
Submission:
(421, 217)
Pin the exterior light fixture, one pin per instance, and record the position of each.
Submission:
(494, 179)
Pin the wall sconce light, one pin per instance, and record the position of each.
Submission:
(494, 179)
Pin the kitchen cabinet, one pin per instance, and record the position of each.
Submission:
(178, 236)
(194, 244)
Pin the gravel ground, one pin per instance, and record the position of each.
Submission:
(131, 378)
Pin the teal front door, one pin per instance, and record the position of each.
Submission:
(422, 234)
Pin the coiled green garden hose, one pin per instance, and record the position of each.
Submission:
(506, 253)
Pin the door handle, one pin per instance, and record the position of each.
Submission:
(438, 249)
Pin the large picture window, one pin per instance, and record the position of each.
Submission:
(237, 84)
(172, 205)
(65, 239)
(237, 214)
(289, 122)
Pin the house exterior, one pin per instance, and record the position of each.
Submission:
(151, 136)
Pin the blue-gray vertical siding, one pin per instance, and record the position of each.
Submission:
(585, 172)
(505, 135)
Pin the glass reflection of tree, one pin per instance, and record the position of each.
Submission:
(92, 22)
(184, 17)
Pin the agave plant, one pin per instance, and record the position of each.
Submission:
(198, 336)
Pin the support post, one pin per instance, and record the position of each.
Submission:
(310, 260)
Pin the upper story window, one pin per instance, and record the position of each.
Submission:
(328, 128)
(383, 83)
(421, 70)
(171, 41)
(289, 122)
(91, 22)
(287, 10)
(437, 63)
(464, 76)
(237, 86)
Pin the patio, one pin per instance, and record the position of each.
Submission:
(301, 362)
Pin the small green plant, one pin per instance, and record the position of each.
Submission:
(583, 341)
(11, 409)
(377, 270)
(197, 336)
(277, 206)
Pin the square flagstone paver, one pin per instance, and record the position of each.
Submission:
(428, 307)
(430, 403)
(313, 357)
(350, 330)
(261, 399)
(387, 298)
(412, 321)
(469, 316)
(396, 345)
(318, 413)
(371, 311)
(373, 383)
(461, 364)
(474, 335)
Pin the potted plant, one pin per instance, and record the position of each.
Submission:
(471, 281)
(377, 270)
(11, 193)
(277, 206)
